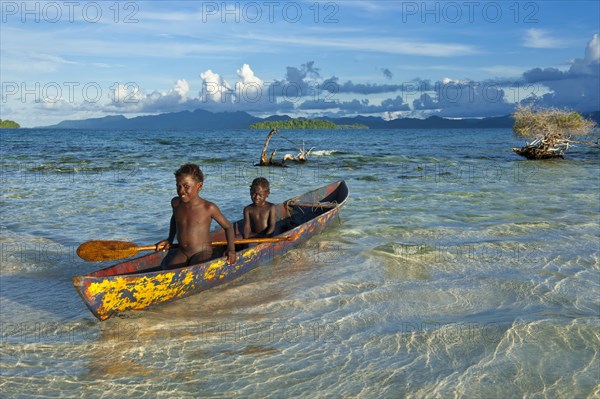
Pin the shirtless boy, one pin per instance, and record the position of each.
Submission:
(259, 217)
(192, 216)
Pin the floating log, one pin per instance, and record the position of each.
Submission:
(265, 160)
(268, 161)
(533, 152)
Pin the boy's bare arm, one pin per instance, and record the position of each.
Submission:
(172, 230)
(271, 225)
(164, 244)
(247, 224)
(216, 214)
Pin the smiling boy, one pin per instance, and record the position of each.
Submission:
(192, 216)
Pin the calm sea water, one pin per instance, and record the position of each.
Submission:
(459, 269)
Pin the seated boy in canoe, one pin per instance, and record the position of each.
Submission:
(191, 219)
(259, 217)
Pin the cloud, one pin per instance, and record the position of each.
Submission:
(332, 85)
(536, 75)
(132, 99)
(540, 38)
(463, 98)
(249, 86)
(577, 88)
(182, 88)
(214, 88)
(39, 63)
(592, 51)
(356, 106)
(388, 45)
(300, 82)
(58, 105)
(304, 90)
(251, 94)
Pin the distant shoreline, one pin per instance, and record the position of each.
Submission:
(204, 120)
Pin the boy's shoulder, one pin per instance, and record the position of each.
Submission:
(208, 205)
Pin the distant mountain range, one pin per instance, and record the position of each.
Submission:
(204, 120)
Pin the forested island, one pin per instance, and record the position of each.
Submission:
(6, 124)
(303, 123)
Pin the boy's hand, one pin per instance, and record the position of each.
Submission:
(231, 257)
(163, 245)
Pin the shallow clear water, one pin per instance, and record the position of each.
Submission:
(459, 269)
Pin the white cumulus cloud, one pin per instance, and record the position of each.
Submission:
(578, 88)
(182, 88)
(592, 51)
(214, 87)
(249, 87)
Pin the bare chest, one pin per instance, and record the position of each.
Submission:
(191, 215)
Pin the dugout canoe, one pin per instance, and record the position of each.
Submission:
(140, 283)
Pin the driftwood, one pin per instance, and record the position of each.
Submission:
(268, 161)
(301, 157)
(549, 146)
(552, 129)
(265, 160)
(544, 147)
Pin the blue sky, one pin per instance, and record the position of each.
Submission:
(81, 59)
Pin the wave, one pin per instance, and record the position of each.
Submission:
(325, 153)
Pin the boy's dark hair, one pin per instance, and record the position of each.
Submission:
(260, 182)
(192, 170)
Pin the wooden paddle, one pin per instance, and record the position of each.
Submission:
(104, 250)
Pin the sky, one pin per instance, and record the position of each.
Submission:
(66, 60)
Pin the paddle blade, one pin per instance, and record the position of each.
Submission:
(102, 251)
